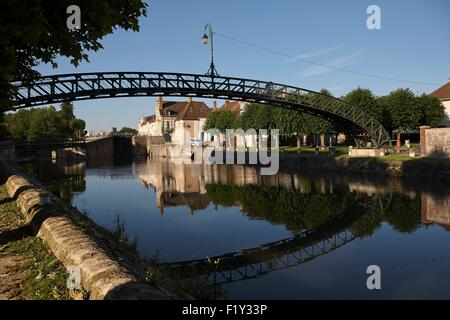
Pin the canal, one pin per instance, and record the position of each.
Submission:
(288, 236)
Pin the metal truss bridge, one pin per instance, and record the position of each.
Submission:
(99, 85)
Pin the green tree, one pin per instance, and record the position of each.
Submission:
(221, 120)
(67, 115)
(403, 109)
(386, 119)
(77, 126)
(290, 123)
(43, 124)
(67, 110)
(257, 116)
(364, 100)
(128, 131)
(35, 31)
(432, 110)
(317, 124)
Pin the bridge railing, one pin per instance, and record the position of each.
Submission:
(58, 88)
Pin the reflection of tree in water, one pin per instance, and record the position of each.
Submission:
(68, 187)
(299, 211)
(64, 179)
(402, 213)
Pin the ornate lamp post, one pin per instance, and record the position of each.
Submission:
(208, 30)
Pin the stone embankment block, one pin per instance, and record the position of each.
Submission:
(102, 273)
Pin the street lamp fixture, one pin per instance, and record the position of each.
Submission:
(205, 39)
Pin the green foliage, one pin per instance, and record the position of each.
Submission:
(404, 213)
(221, 120)
(44, 124)
(297, 211)
(35, 31)
(77, 127)
(290, 122)
(432, 110)
(128, 131)
(403, 109)
(364, 100)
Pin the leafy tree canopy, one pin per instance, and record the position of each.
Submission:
(127, 130)
(432, 110)
(44, 124)
(364, 100)
(35, 31)
(403, 109)
(221, 120)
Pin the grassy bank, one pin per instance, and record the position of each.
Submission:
(28, 270)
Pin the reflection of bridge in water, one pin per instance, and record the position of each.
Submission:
(255, 262)
(286, 253)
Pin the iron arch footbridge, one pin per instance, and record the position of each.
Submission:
(99, 85)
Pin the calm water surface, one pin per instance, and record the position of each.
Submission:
(289, 236)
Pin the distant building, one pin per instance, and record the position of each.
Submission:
(443, 94)
(94, 133)
(176, 121)
(237, 107)
(147, 126)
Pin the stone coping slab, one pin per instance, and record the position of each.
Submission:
(103, 275)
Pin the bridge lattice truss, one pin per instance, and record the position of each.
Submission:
(84, 86)
(238, 266)
(286, 253)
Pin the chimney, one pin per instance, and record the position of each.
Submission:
(214, 105)
(160, 102)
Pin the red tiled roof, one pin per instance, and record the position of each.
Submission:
(195, 110)
(149, 119)
(183, 110)
(233, 106)
(173, 108)
(443, 93)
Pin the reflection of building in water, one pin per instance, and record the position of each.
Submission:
(436, 209)
(185, 184)
(178, 184)
(72, 169)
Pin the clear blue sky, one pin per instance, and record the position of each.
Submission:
(413, 44)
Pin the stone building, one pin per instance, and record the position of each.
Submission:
(443, 94)
(176, 121)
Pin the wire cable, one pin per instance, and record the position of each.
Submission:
(324, 65)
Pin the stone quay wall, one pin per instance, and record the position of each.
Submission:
(109, 147)
(437, 143)
(106, 272)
